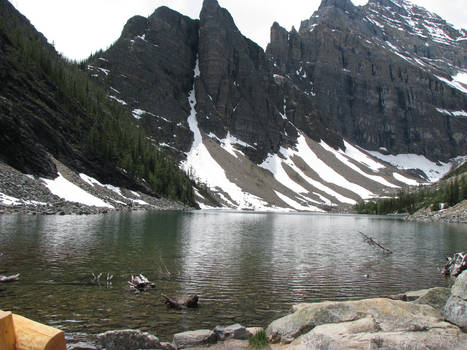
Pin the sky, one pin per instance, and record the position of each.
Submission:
(79, 28)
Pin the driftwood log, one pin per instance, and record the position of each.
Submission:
(5, 279)
(372, 242)
(180, 303)
(455, 265)
(140, 283)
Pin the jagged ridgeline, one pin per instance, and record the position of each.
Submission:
(49, 107)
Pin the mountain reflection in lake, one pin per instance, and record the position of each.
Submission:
(246, 267)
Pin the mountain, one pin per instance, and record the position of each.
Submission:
(382, 74)
(51, 114)
(358, 103)
(291, 127)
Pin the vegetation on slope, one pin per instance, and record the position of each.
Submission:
(443, 195)
(102, 131)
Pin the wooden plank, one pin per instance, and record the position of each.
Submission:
(32, 335)
(7, 331)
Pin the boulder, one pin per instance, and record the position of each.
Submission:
(128, 339)
(194, 338)
(435, 297)
(235, 331)
(365, 334)
(455, 310)
(393, 324)
(252, 331)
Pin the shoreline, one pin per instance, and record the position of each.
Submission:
(414, 317)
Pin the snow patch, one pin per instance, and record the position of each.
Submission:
(10, 201)
(326, 172)
(295, 205)
(203, 166)
(118, 100)
(405, 180)
(461, 77)
(452, 113)
(434, 171)
(65, 189)
(91, 181)
(138, 113)
(358, 156)
(454, 84)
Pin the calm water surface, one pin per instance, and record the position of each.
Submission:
(246, 267)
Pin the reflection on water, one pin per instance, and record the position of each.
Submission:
(246, 267)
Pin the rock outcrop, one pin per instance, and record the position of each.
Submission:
(379, 73)
(128, 339)
(455, 310)
(389, 324)
(191, 339)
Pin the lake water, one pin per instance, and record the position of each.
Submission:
(246, 267)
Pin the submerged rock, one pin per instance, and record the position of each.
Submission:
(389, 324)
(455, 310)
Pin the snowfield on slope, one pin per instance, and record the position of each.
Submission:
(67, 190)
(434, 171)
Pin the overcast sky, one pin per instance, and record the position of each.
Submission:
(79, 28)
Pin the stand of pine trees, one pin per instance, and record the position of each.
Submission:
(447, 194)
(102, 129)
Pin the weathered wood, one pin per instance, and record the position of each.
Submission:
(373, 243)
(7, 331)
(12, 278)
(32, 335)
(140, 283)
(189, 301)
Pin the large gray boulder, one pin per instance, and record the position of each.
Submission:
(390, 324)
(455, 310)
(194, 338)
(128, 339)
(435, 297)
(235, 331)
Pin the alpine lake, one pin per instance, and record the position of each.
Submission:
(247, 268)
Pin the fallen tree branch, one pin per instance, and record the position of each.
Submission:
(190, 301)
(5, 279)
(455, 265)
(140, 283)
(373, 243)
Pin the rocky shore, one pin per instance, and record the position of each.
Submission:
(25, 194)
(427, 319)
(455, 215)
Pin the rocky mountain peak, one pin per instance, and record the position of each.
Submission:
(345, 5)
(212, 11)
(135, 26)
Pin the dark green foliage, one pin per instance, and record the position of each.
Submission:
(448, 193)
(458, 171)
(258, 341)
(103, 130)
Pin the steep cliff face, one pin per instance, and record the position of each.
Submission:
(236, 93)
(150, 69)
(381, 74)
(272, 129)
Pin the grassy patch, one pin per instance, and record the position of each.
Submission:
(258, 341)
